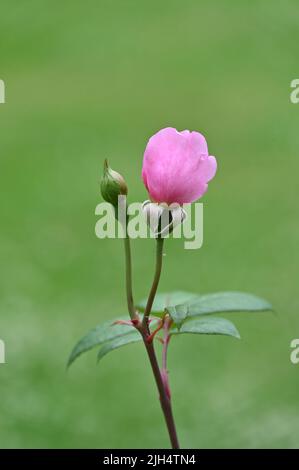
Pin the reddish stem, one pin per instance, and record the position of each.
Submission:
(164, 396)
(150, 337)
(166, 338)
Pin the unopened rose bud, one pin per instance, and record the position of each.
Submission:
(112, 185)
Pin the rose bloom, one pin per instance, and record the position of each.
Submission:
(177, 166)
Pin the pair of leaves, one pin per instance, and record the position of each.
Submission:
(109, 335)
(102, 334)
(188, 312)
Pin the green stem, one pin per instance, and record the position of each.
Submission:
(129, 291)
(128, 263)
(152, 294)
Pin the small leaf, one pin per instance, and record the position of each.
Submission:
(116, 343)
(97, 336)
(178, 313)
(167, 299)
(208, 326)
(227, 302)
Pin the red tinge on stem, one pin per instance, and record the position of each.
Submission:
(150, 338)
(164, 375)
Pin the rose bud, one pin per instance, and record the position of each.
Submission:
(177, 166)
(112, 185)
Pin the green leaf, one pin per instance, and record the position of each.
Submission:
(227, 302)
(97, 336)
(217, 303)
(167, 299)
(116, 343)
(208, 326)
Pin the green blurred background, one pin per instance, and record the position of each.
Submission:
(94, 79)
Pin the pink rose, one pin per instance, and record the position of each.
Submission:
(177, 166)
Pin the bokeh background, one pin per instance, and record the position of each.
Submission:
(95, 79)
